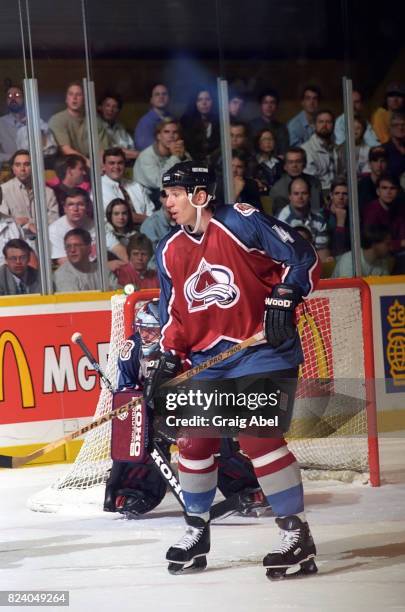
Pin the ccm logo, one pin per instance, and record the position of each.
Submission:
(283, 303)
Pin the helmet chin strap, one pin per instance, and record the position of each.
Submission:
(198, 207)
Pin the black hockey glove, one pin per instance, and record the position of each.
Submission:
(168, 366)
(279, 316)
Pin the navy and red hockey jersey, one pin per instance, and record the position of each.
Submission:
(213, 288)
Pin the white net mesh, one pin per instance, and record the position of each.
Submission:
(329, 430)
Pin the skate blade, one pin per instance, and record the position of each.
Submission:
(198, 564)
(305, 568)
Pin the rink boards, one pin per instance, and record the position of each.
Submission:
(48, 388)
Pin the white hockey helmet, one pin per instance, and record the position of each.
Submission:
(147, 324)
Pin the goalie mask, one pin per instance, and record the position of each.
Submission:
(148, 326)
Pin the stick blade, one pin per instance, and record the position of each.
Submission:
(6, 461)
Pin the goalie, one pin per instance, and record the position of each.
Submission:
(134, 489)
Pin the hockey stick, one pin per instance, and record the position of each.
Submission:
(7, 461)
(214, 360)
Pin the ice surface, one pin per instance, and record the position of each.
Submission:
(109, 563)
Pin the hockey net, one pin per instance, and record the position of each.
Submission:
(333, 433)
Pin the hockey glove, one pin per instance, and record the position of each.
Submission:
(279, 316)
(168, 366)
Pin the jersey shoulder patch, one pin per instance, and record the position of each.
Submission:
(244, 209)
(126, 350)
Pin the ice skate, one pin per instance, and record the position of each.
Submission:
(295, 553)
(189, 554)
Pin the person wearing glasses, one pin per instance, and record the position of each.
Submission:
(76, 215)
(17, 277)
(78, 273)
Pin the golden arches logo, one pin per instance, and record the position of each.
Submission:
(319, 346)
(27, 388)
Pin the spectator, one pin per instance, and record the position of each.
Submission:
(361, 149)
(70, 173)
(167, 150)
(16, 275)
(146, 127)
(268, 167)
(18, 196)
(302, 126)
(158, 224)
(395, 147)
(298, 212)
(337, 217)
(388, 210)
(140, 251)
(269, 102)
(14, 131)
(370, 138)
(200, 126)
(236, 104)
(77, 273)
(239, 140)
(69, 126)
(393, 103)
(294, 164)
(321, 150)
(8, 231)
(245, 188)
(375, 248)
(115, 186)
(76, 209)
(120, 227)
(109, 107)
(377, 158)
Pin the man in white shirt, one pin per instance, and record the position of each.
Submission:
(115, 186)
(77, 206)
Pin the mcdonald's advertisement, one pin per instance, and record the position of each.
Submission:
(43, 375)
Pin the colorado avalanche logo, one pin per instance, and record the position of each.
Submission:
(211, 285)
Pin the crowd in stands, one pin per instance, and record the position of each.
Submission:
(295, 171)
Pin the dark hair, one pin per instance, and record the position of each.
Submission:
(74, 83)
(296, 150)
(339, 181)
(113, 96)
(390, 179)
(313, 88)
(17, 243)
(234, 92)
(377, 153)
(258, 136)
(130, 226)
(360, 119)
(268, 92)
(241, 155)
(373, 234)
(397, 115)
(67, 163)
(113, 152)
(76, 192)
(156, 85)
(191, 113)
(239, 123)
(324, 111)
(299, 178)
(140, 241)
(17, 153)
(80, 233)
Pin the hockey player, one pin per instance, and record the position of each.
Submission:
(222, 273)
(133, 489)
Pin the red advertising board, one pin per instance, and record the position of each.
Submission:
(43, 375)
